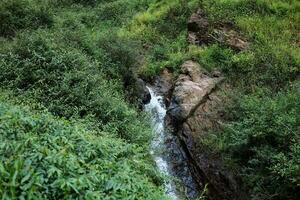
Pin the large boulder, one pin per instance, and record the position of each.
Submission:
(191, 88)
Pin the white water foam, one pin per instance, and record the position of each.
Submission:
(157, 111)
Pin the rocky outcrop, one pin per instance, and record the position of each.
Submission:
(227, 35)
(198, 28)
(191, 89)
(202, 31)
(163, 84)
(142, 92)
(194, 112)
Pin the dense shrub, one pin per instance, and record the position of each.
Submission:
(43, 157)
(264, 139)
(80, 2)
(68, 83)
(75, 71)
(123, 54)
(22, 14)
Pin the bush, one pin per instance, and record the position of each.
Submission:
(81, 2)
(43, 157)
(22, 14)
(123, 53)
(264, 139)
(212, 57)
(69, 84)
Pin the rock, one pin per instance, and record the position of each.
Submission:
(216, 73)
(194, 112)
(191, 88)
(226, 35)
(198, 28)
(202, 31)
(237, 43)
(142, 91)
(163, 84)
(192, 38)
(198, 22)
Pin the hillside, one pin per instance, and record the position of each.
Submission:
(71, 126)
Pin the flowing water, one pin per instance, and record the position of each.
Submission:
(167, 153)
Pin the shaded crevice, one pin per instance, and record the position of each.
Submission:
(197, 172)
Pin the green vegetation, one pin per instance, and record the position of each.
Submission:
(74, 135)
(17, 15)
(261, 136)
(77, 60)
(45, 157)
(264, 137)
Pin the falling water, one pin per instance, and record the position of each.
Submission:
(168, 154)
(158, 112)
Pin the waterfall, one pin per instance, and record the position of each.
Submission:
(157, 110)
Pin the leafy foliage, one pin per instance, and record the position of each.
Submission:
(43, 157)
(85, 141)
(22, 14)
(264, 138)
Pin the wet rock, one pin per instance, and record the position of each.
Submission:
(163, 84)
(142, 91)
(222, 183)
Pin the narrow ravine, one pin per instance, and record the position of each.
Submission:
(167, 153)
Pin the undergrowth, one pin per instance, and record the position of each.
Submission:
(45, 157)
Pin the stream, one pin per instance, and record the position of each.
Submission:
(167, 153)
